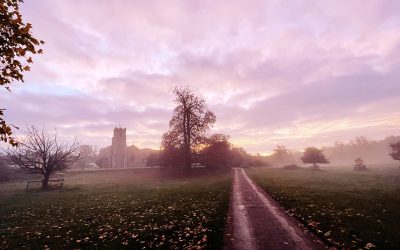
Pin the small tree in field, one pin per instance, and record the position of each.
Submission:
(40, 152)
(395, 154)
(314, 155)
(359, 165)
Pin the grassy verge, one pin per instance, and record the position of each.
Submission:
(345, 208)
(138, 212)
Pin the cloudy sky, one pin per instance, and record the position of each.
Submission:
(274, 72)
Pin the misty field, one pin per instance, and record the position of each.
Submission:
(118, 209)
(345, 208)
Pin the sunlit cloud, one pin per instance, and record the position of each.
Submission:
(300, 74)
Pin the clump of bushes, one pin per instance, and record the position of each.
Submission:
(291, 167)
(359, 165)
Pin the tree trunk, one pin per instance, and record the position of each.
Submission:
(188, 153)
(45, 182)
(188, 161)
(315, 166)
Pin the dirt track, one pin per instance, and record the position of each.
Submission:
(257, 222)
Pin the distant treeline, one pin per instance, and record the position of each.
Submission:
(341, 153)
(372, 152)
(220, 153)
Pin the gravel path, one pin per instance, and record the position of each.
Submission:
(257, 222)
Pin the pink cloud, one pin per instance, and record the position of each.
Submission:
(262, 67)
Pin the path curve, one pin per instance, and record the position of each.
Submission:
(256, 221)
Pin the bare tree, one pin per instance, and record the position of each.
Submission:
(190, 122)
(314, 155)
(40, 152)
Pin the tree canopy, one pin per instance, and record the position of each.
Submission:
(216, 151)
(5, 131)
(17, 45)
(189, 124)
(314, 155)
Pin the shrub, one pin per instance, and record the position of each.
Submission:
(291, 167)
(359, 165)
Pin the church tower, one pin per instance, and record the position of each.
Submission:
(119, 157)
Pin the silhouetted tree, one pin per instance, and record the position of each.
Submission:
(314, 155)
(190, 122)
(172, 153)
(216, 151)
(395, 154)
(40, 152)
(172, 157)
(359, 165)
(16, 47)
(153, 159)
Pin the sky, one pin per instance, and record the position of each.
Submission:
(294, 73)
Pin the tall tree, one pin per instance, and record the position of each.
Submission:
(40, 152)
(395, 154)
(189, 124)
(16, 48)
(314, 155)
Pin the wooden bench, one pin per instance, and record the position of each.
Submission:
(55, 180)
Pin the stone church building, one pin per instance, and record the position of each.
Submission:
(120, 155)
(119, 149)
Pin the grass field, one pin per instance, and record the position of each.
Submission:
(346, 208)
(120, 209)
